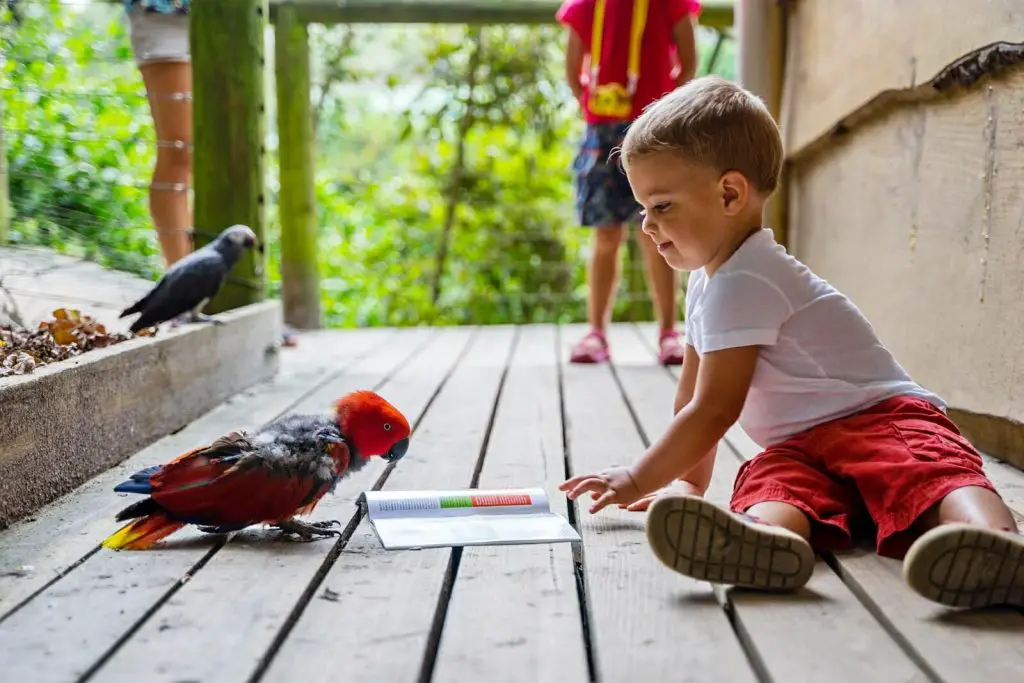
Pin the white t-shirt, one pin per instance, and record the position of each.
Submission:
(820, 358)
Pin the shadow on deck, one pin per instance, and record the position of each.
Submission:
(493, 406)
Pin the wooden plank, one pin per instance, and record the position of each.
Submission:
(843, 55)
(846, 643)
(540, 636)
(40, 549)
(300, 279)
(646, 622)
(229, 147)
(957, 646)
(400, 591)
(85, 615)
(715, 13)
(221, 603)
(938, 192)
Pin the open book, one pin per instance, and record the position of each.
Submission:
(434, 519)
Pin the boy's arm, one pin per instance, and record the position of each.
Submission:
(700, 475)
(686, 49)
(722, 382)
(574, 53)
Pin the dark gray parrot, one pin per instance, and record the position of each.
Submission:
(192, 281)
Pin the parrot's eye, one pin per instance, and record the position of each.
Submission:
(387, 426)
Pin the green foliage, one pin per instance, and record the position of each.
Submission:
(444, 192)
(79, 138)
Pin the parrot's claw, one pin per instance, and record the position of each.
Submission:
(307, 531)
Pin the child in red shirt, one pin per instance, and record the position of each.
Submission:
(631, 64)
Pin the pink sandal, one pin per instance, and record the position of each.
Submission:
(670, 348)
(593, 348)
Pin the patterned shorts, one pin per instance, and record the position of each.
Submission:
(603, 195)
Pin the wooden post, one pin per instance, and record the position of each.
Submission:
(229, 151)
(299, 276)
(761, 26)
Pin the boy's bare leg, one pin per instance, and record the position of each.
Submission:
(172, 121)
(766, 548)
(972, 555)
(662, 281)
(602, 279)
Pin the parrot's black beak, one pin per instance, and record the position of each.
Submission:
(260, 248)
(397, 451)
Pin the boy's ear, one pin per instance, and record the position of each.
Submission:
(735, 192)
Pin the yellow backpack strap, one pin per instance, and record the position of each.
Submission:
(635, 41)
(595, 42)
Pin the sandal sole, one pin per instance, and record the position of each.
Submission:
(962, 565)
(703, 541)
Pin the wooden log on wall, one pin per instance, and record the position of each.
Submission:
(226, 39)
(299, 276)
(845, 56)
(917, 216)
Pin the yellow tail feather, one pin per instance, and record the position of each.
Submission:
(142, 533)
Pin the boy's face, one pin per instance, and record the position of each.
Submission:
(690, 211)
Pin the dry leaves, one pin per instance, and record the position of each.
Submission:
(70, 333)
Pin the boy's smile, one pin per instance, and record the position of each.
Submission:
(690, 211)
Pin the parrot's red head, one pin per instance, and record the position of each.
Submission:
(372, 425)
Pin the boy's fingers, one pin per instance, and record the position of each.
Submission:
(574, 481)
(640, 505)
(592, 484)
(604, 499)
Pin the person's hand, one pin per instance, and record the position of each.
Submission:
(680, 487)
(613, 485)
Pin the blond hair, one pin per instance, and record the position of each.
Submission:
(712, 122)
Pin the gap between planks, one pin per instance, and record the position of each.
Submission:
(947, 645)
(848, 646)
(514, 613)
(379, 613)
(80, 620)
(647, 622)
(247, 597)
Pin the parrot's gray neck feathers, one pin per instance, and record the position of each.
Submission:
(230, 250)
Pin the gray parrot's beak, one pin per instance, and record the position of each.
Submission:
(397, 451)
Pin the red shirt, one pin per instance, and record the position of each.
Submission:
(656, 51)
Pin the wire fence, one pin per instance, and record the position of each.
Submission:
(82, 151)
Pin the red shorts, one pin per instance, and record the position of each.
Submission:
(878, 469)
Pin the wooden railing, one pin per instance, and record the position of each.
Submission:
(229, 119)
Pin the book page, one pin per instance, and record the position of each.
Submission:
(471, 502)
(431, 519)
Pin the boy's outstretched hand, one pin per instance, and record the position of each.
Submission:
(614, 485)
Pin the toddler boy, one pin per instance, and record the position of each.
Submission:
(848, 436)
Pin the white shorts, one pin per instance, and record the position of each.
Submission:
(157, 37)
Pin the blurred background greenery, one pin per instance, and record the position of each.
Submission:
(443, 163)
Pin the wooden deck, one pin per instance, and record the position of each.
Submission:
(493, 407)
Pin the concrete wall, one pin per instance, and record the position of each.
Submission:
(904, 125)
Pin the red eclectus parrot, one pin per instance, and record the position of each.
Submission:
(268, 476)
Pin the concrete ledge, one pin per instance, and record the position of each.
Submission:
(999, 437)
(68, 421)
